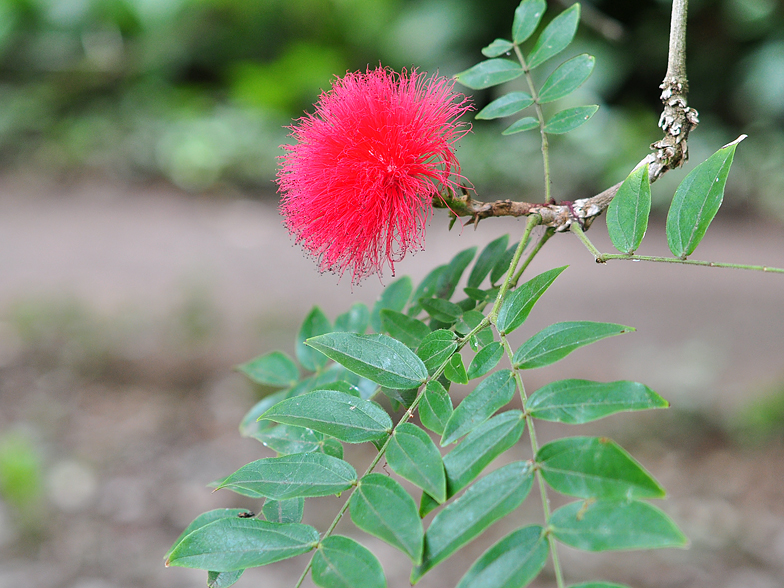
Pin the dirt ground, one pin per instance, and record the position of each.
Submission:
(123, 310)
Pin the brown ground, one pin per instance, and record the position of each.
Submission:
(123, 310)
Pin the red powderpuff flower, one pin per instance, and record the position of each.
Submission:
(357, 186)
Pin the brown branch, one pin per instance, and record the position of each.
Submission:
(677, 121)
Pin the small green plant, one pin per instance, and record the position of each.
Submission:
(432, 338)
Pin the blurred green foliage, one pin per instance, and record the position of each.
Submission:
(21, 483)
(199, 91)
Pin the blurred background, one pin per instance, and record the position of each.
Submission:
(141, 257)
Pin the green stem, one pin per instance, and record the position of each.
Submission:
(544, 239)
(533, 220)
(602, 257)
(548, 199)
(529, 421)
(577, 230)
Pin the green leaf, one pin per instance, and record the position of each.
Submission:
(205, 519)
(382, 507)
(355, 320)
(329, 375)
(555, 37)
(489, 73)
(436, 348)
(455, 370)
(566, 78)
(697, 200)
(223, 579)
(517, 306)
(435, 408)
(284, 511)
(273, 369)
(426, 288)
(316, 323)
(559, 340)
(627, 215)
(511, 563)
(527, 123)
(441, 310)
(497, 47)
(491, 394)
(412, 455)
(491, 498)
(606, 525)
(569, 119)
(379, 358)
(394, 297)
(502, 267)
(250, 425)
(292, 476)
(526, 18)
(341, 562)
(482, 445)
(447, 281)
(334, 413)
(405, 329)
(506, 105)
(581, 401)
(231, 544)
(490, 255)
(287, 440)
(484, 361)
(595, 467)
(469, 321)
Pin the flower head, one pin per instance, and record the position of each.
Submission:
(357, 185)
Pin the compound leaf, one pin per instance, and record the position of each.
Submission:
(273, 369)
(506, 105)
(491, 498)
(491, 394)
(559, 340)
(284, 511)
(697, 200)
(519, 303)
(627, 215)
(230, 544)
(606, 525)
(334, 413)
(497, 47)
(595, 467)
(581, 401)
(382, 507)
(356, 320)
(489, 73)
(412, 455)
(379, 358)
(291, 476)
(485, 360)
(394, 297)
(526, 18)
(569, 119)
(566, 78)
(435, 408)
(555, 37)
(482, 445)
(511, 563)
(316, 323)
(341, 562)
(436, 348)
(405, 329)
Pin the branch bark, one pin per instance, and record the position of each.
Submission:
(677, 120)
